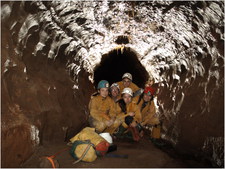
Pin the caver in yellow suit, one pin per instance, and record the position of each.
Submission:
(121, 115)
(115, 92)
(101, 111)
(133, 86)
(131, 107)
(117, 119)
(148, 112)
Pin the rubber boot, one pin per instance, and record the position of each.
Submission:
(135, 133)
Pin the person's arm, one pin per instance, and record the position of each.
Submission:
(120, 83)
(151, 113)
(113, 109)
(134, 87)
(120, 114)
(135, 99)
(138, 116)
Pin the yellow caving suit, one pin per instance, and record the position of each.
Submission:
(117, 98)
(101, 110)
(133, 86)
(120, 116)
(148, 112)
(132, 107)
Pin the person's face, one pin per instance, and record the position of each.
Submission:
(126, 82)
(114, 91)
(104, 92)
(127, 98)
(146, 97)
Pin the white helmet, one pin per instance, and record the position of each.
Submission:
(107, 137)
(115, 85)
(127, 75)
(128, 91)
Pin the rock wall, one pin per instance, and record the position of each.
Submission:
(40, 104)
(51, 49)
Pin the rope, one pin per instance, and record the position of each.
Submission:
(50, 158)
(53, 156)
(51, 161)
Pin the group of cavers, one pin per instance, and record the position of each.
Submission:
(122, 110)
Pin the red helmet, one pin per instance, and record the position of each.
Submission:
(149, 91)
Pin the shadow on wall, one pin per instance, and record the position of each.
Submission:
(117, 62)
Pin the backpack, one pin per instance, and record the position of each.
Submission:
(83, 150)
(98, 146)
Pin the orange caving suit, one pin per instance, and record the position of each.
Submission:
(101, 110)
(132, 107)
(148, 112)
(120, 118)
(133, 86)
(117, 120)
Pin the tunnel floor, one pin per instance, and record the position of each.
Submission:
(143, 154)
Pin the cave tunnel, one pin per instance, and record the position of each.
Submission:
(117, 62)
(47, 57)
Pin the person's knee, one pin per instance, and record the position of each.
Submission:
(117, 122)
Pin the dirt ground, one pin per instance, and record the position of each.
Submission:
(143, 154)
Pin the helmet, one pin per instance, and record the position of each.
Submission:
(103, 84)
(149, 91)
(128, 91)
(115, 85)
(127, 75)
(107, 137)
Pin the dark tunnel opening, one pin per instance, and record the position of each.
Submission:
(117, 62)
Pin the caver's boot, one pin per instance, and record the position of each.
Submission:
(135, 133)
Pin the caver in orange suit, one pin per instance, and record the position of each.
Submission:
(101, 110)
(132, 85)
(148, 112)
(120, 116)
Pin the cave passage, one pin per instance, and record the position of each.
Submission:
(117, 62)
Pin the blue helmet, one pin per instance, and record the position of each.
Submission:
(103, 84)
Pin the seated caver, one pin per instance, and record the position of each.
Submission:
(128, 110)
(148, 110)
(115, 92)
(127, 82)
(102, 108)
(128, 107)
